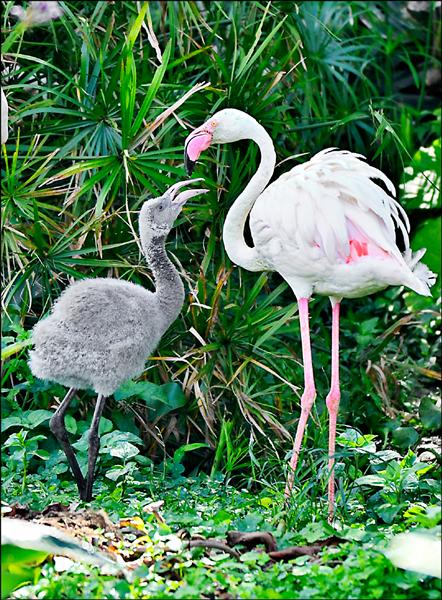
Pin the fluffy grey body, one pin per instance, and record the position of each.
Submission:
(101, 331)
(99, 334)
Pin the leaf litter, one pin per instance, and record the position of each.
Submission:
(130, 539)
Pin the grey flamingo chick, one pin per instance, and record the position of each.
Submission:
(101, 331)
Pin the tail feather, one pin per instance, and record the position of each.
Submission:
(423, 278)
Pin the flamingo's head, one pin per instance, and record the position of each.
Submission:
(159, 214)
(227, 125)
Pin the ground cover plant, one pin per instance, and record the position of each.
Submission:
(100, 100)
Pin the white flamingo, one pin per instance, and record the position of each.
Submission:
(327, 228)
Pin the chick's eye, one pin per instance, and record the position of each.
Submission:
(160, 207)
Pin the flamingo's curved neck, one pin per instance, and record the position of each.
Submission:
(233, 232)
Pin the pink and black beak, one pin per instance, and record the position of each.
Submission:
(181, 199)
(198, 141)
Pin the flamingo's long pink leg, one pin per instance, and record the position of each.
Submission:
(332, 402)
(309, 394)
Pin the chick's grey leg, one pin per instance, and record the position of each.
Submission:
(58, 428)
(94, 445)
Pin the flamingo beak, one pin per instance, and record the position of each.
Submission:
(183, 197)
(198, 141)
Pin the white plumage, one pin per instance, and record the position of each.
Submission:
(328, 228)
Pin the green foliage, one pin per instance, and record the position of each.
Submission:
(100, 103)
(357, 566)
(22, 449)
(430, 414)
(160, 399)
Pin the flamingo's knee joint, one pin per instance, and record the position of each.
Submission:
(333, 398)
(307, 399)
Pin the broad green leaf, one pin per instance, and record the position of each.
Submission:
(429, 236)
(114, 438)
(28, 419)
(384, 456)
(430, 414)
(105, 426)
(389, 512)
(117, 472)
(375, 480)
(13, 421)
(404, 437)
(161, 399)
(71, 424)
(43, 454)
(19, 566)
(33, 418)
(124, 450)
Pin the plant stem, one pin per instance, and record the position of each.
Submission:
(23, 484)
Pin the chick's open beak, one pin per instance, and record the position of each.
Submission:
(182, 198)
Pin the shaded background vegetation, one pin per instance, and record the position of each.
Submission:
(89, 137)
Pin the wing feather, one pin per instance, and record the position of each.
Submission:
(318, 202)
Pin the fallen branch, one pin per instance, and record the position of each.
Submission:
(252, 539)
(295, 551)
(216, 544)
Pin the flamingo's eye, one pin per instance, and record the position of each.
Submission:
(213, 123)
